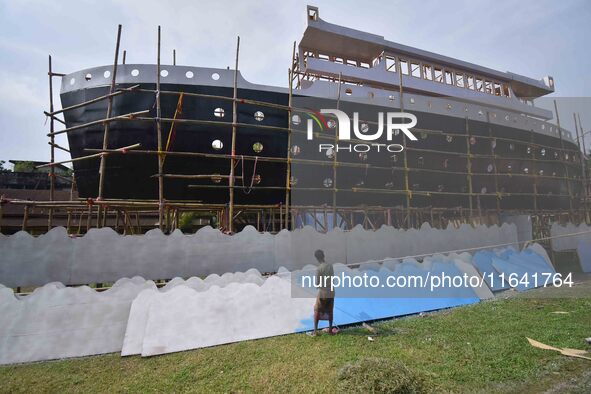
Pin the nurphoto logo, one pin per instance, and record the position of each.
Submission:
(395, 122)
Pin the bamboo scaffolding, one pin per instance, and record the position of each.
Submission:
(404, 154)
(95, 100)
(129, 116)
(324, 163)
(581, 158)
(568, 185)
(103, 163)
(159, 135)
(233, 148)
(52, 149)
(288, 153)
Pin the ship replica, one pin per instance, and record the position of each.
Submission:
(481, 142)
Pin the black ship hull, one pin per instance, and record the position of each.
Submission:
(455, 162)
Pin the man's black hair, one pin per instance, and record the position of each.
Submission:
(319, 254)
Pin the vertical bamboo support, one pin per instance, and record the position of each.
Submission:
(494, 163)
(568, 186)
(289, 122)
(233, 153)
(581, 159)
(52, 144)
(124, 55)
(174, 57)
(334, 161)
(469, 167)
(534, 173)
(584, 155)
(405, 158)
(159, 135)
(25, 218)
(103, 163)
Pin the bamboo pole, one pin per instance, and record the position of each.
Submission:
(494, 163)
(233, 149)
(124, 55)
(568, 186)
(174, 57)
(334, 162)
(469, 166)
(404, 155)
(94, 100)
(289, 131)
(25, 218)
(581, 159)
(52, 144)
(122, 150)
(159, 135)
(59, 147)
(103, 163)
(129, 116)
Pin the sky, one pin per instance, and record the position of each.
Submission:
(530, 37)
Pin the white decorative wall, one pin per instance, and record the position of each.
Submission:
(571, 242)
(102, 255)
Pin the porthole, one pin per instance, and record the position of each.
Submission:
(219, 112)
(394, 158)
(412, 100)
(107, 74)
(256, 179)
(293, 181)
(331, 123)
(296, 119)
(88, 76)
(257, 147)
(543, 152)
(216, 178)
(72, 81)
(529, 150)
(511, 147)
(440, 188)
(543, 126)
(389, 185)
(566, 156)
(445, 163)
(472, 140)
(396, 132)
(348, 92)
(295, 150)
(541, 172)
(449, 106)
(509, 167)
(327, 182)
(466, 108)
(164, 73)
(189, 74)
(480, 113)
(421, 161)
(449, 138)
(556, 155)
(217, 144)
(489, 168)
(526, 170)
(330, 153)
(493, 144)
(364, 127)
(483, 190)
(416, 186)
(423, 135)
(135, 72)
(259, 116)
(215, 76)
(507, 117)
(391, 97)
(363, 156)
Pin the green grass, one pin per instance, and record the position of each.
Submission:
(478, 347)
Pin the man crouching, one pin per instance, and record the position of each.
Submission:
(323, 309)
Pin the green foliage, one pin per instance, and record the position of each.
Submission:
(186, 222)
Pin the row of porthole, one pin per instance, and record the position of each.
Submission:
(257, 147)
(411, 100)
(135, 72)
(220, 113)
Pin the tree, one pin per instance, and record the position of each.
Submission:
(2, 168)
